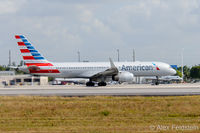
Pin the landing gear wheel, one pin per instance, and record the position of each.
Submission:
(102, 84)
(90, 83)
(157, 80)
(157, 83)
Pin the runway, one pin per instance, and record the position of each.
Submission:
(114, 90)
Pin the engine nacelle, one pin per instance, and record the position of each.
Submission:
(123, 77)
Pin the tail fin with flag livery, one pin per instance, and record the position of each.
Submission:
(32, 58)
(30, 55)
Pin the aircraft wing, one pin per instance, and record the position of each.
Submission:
(109, 72)
(13, 67)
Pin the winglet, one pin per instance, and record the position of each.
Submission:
(112, 64)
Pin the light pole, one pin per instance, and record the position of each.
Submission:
(133, 55)
(182, 64)
(9, 58)
(118, 55)
(79, 57)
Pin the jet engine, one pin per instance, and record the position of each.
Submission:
(123, 77)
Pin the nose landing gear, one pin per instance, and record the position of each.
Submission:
(157, 81)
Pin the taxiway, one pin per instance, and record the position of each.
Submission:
(112, 90)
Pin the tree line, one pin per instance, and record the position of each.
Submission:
(7, 68)
(189, 72)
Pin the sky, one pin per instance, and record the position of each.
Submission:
(158, 30)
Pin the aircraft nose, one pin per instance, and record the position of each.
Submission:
(173, 72)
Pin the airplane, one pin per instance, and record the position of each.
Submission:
(96, 72)
(165, 78)
(171, 78)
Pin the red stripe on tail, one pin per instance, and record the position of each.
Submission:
(21, 44)
(17, 37)
(24, 51)
(28, 58)
(39, 64)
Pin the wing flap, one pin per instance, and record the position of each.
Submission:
(109, 72)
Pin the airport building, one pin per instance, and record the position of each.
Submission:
(7, 73)
(9, 78)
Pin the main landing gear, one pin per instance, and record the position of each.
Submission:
(102, 83)
(90, 83)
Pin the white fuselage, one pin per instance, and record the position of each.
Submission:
(88, 69)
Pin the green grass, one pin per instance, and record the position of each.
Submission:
(97, 114)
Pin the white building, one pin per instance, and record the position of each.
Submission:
(9, 78)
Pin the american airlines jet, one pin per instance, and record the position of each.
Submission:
(96, 72)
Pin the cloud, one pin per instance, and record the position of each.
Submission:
(10, 6)
(157, 29)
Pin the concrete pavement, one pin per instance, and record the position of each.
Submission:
(111, 90)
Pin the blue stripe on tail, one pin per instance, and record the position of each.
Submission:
(33, 51)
